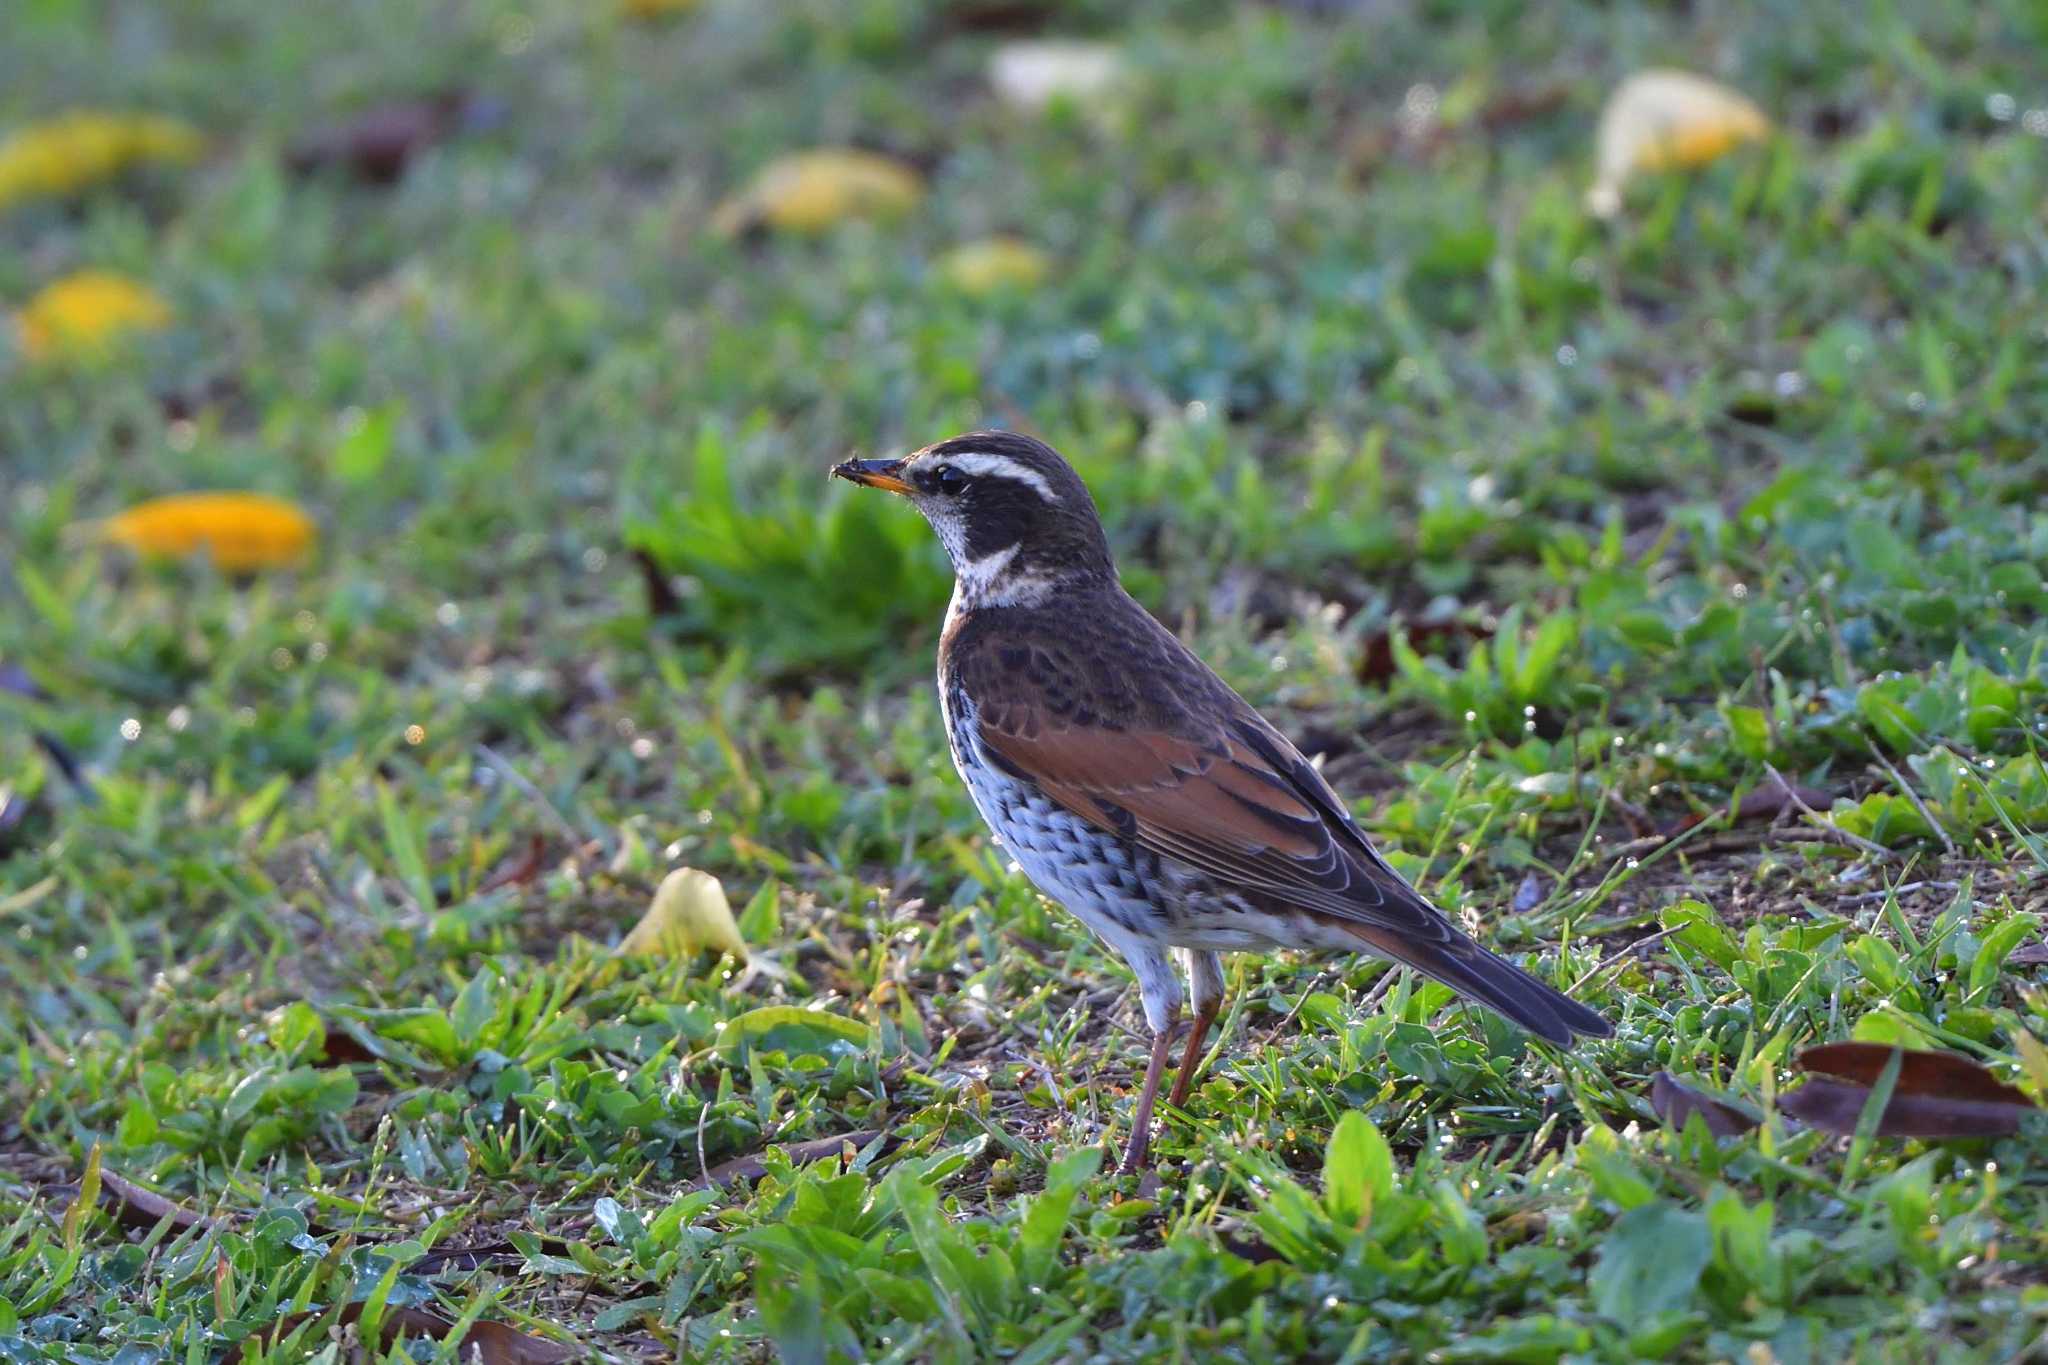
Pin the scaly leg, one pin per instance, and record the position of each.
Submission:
(1139, 1153)
(1205, 985)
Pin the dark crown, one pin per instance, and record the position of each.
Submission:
(1051, 519)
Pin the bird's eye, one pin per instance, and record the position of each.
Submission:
(949, 481)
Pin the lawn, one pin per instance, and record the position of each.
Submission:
(1664, 590)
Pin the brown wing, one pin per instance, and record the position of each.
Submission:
(1186, 769)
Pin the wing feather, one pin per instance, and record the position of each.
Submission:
(1238, 802)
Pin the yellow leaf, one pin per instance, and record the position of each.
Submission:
(811, 191)
(1658, 120)
(81, 316)
(1031, 75)
(993, 264)
(85, 147)
(2033, 1060)
(241, 532)
(689, 914)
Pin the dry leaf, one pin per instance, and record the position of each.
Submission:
(135, 1207)
(240, 532)
(81, 316)
(1376, 654)
(688, 915)
(1031, 75)
(1938, 1094)
(812, 191)
(751, 1167)
(1772, 800)
(1675, 1102)
(489, 1343)
(1657, 120)
(992, 265)
(655, 9)
(378, 143)
(78, 150)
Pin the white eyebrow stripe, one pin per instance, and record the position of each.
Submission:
(1002, 467)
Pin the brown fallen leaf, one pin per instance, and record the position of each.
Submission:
(1767, 802)
(996, 16)
(2033, 954)
(1938, 1094)
(133, 1206)
(1676, 1103)
(188, 402)
(377, 144)
(1376, 654)
(1920, 1073)
(662, 599)
(751, 1167)
(519, 870)
(491, 1343)
(343, 1048)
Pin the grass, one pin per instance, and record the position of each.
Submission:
(1543, 532)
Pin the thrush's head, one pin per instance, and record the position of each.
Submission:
(1015, 518)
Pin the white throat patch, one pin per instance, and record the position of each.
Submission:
(988, 582)
(977, 576)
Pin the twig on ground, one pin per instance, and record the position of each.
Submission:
(1875, 850)
(1948, 844)
(502, 766)
(1866, 897)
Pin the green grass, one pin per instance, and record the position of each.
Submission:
(1750, 480)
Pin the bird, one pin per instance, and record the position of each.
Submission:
(1133, 786)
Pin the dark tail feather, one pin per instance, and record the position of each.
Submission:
(1494, 982)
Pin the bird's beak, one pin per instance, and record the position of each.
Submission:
(886, 475)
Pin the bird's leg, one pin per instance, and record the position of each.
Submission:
(1139, 1153)
(1205, 985)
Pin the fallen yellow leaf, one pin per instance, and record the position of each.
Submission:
(1031, 75)
(82, 315)
(1658, 120)
(240, 532)
(811, 191)
(80, 149)
(2033, 1060)
(689, 914)
(993, 264)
